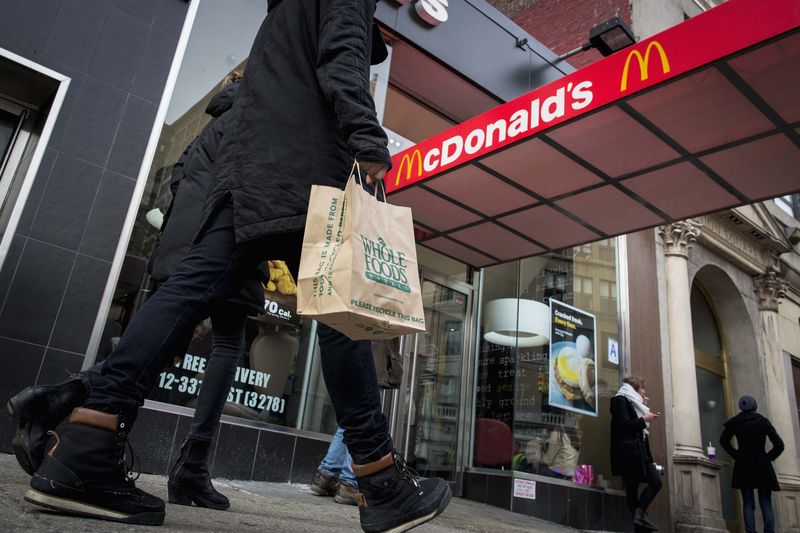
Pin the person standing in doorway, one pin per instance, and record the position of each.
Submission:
(302, 115)
(630, 448)
(752, 464)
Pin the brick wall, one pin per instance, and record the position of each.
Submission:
(563, 25)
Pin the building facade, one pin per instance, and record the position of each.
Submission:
(101, 98)
(721, 321)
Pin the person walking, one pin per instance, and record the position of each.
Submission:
(752, 464)
(189, 478)
(302, 115)
(334, 475)
(630, 448)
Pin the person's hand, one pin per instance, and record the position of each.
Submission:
(375, 171)
(649, 417)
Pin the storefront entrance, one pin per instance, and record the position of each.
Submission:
(427, 409)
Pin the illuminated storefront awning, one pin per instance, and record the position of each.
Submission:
(701, 117)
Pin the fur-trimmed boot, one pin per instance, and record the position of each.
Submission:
(394, 498)
(189, 480)
(85, 472)
(38, 409)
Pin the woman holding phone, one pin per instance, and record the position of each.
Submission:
(630, 448)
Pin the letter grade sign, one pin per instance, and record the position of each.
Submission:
(695, 43)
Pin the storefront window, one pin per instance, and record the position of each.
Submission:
(278, 380)
(540, 412)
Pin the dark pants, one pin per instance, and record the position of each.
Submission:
(214, 270)
(749, 509)
(653, 481)
(228, 323)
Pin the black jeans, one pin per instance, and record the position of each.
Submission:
(214, 270)
(228, 323)
(653, 481)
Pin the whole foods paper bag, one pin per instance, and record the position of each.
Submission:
(358, 270)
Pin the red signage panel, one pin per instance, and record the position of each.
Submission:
(724, 30)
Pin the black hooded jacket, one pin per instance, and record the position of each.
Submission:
(191, 178)
(752, 467)
(303, 113)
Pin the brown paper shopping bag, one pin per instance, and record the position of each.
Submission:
(358, 270)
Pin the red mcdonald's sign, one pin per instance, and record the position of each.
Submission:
(681, 49)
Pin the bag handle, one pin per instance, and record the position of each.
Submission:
(380, 187)
(355, 173)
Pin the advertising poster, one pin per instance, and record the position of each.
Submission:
(280, 294)
(573, 359)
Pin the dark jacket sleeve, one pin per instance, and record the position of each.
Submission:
(777, 443)
(177, 170)
(725, 442)
(622, 420)
(343, 74)
(174, 183)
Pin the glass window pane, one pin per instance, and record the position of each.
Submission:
(713, 413)
(514, 377)
(276, 380)
(704, 326)
(8, 125)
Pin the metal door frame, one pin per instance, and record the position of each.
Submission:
(398, 412)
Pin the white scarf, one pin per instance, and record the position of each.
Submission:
(635, 398)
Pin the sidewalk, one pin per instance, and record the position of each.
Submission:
(274, 507)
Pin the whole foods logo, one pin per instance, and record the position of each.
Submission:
(385, 265)
(644, 63)
(531, 115)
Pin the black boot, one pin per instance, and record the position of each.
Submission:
(38, 409)
(641, 519)
(85, 473)
(394, 498)
(189, 480)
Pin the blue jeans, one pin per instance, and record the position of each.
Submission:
(214, 270)
(749, 509)
(337, 461)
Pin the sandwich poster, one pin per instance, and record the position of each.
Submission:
(573, 359)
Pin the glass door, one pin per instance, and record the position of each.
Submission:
(16, 123)
(426, 420)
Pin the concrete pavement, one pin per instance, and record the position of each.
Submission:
(255, 506)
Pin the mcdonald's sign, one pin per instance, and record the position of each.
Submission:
(644, 63)
(407, 163)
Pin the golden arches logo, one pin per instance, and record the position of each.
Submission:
(407, 162)
(644, 63)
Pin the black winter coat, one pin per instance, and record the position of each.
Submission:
(630, 450)
(752, 465)
(191, 177)
(303, 113)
